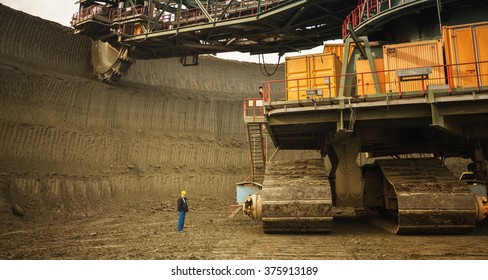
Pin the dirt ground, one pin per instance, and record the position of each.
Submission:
(145, 229)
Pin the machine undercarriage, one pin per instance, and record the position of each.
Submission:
(420, 194)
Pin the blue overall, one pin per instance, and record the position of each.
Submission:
(181, 220)
(182, 209)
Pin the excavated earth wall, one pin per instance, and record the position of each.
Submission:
(69, 140)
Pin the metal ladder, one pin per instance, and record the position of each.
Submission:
(257, 151)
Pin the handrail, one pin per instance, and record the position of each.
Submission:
(253, 109)
(368, 9)
(237, 10)
(186, 17)
(469, 77)
(122, 14)
(87, 13)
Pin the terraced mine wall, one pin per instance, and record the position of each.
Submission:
(68, 140)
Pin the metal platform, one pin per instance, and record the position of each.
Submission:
(255, 26)
(379, 17)
(441, 125)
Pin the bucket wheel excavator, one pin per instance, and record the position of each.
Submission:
(386, 130)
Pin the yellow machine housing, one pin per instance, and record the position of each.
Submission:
(467, 45)
(364, 78)
(413, 55)
(320, 72)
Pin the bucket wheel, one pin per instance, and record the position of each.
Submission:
(110, 62)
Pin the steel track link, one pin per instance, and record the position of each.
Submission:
(296, 197)
(430, 199)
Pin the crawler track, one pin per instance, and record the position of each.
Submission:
(297, 197)
(429, 198)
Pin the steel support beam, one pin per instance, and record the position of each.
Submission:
(357, 42)
(445, 123)
(178, 16)
(225, 9)
(205, 12)
(347, 182)
(149, 14)
(365, 52)
(160, 14)
(295, 16)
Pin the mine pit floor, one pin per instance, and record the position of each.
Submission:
(136, 231)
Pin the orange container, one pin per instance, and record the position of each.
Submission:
(467, 45)
(318, 72)
(364, 77)
(338, 49)
(413, 55)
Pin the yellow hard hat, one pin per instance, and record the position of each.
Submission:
(183, 192)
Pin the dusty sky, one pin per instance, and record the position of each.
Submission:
(61, 11)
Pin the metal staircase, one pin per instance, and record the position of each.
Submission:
(255, 119)
(257, 149)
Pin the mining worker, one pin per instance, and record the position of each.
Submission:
(182, 209)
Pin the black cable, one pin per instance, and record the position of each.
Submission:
(262, 66)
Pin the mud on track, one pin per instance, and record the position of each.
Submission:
(145, 229)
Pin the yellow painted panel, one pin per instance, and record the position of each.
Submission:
(467, 44)
(413, 55)
(364, 78)
(481, 33)
(309, 73)
(323, 66)
(338, 49)
(296, 74)
(464, 75)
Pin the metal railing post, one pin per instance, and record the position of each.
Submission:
(330, 89)
(367, 9)
(476, 64)
(298, 90)
(362, 85)
(178, 14)
(423, 87)
(254, 110)
(449, 82)
(399, 86)
(269, 93)
(245, 108)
